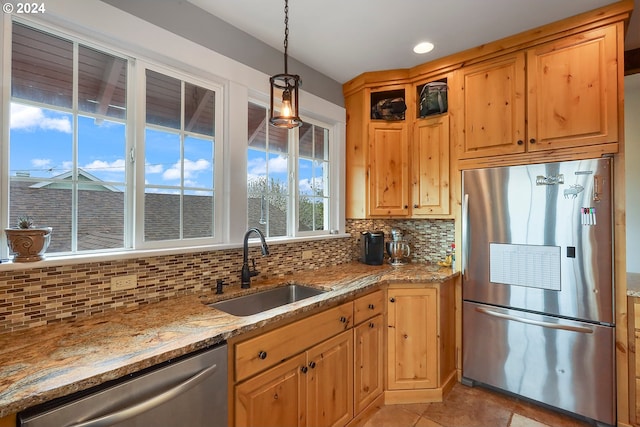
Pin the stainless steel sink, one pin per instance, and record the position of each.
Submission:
(265, 300)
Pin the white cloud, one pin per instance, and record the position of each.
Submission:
(191, 169)
(31, 118)
(258, 166)
(101, 165)
(41, 163)
(306, 185)
(153, 168)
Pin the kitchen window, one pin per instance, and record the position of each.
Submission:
(72, 157)
(179, 159)
(68, 144)
(288, 192)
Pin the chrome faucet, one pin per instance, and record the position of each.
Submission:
(246, 274)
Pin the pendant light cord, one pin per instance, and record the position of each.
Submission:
(286, 33)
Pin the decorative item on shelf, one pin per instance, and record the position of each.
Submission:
(288, 84)
(433, 99)
(26, 242)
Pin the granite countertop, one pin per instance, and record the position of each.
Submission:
(43, 363)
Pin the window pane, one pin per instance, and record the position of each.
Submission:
(163, 100)
(41, 67)
(161, 214)
(49, 204)
(40, 142)
(162, 158)
(199, 109)
(100, 217)
(102, 82)
(198, 214)
(101, 150)
(306, 140)
(305, 177)
(278, 139)
(321, 141)
(277, 214)
(257, 126)
(198, 163)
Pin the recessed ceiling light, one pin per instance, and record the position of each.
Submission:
(423, 47)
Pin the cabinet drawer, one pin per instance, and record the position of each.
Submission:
(368, 306)
(266, 350)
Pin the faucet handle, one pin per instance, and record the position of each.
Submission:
(253, 271)
(219, 284)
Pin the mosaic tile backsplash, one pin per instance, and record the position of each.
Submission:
(38, 296)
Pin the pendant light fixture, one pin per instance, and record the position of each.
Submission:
(285, 85)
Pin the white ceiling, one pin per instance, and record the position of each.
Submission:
(344, 38)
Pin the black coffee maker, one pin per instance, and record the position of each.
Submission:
(372, 247)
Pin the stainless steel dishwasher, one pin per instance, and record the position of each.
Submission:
(191, 392)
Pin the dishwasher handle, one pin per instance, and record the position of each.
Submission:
(145, 405)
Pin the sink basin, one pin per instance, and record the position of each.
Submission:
(265, 300)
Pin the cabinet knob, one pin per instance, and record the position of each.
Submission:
(415, 206)
(371, 325)
(343, 319)
(262, 355)
(371, 306)
(406, 206)
(392, 299)
(312, 364)
(532, 141)
(520, 142)
(304, 369)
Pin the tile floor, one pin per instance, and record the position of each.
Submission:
(471, 407)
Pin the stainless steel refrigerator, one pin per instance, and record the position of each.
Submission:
(538, 300)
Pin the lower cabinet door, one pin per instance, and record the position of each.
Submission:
(275, 398)
(330, 382)
(412, 341)
(368, 352)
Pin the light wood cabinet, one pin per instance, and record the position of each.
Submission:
(274, 398)
(368, 349)
(430, 166)
(412, 357)
(369, 366)
(561, 94)
(330, 382)
(420, 342)
(398, 168)
(298, 374)
(388, 169)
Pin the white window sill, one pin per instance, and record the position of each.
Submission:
(54, 261)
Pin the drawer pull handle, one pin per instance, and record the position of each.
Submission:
(532, 140)
(343, 319)
(371, 325)
(304, 369)
(520, 142)
(371, 307)
(262, 355)
(392, 300)
(312, 364)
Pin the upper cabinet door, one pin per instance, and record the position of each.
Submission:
(493, 107)
(573, 91)
(430, 166)
(388, 169)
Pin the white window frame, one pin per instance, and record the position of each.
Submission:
(218, 166)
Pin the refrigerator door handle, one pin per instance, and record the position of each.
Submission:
(581, 329)
(465, 235)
